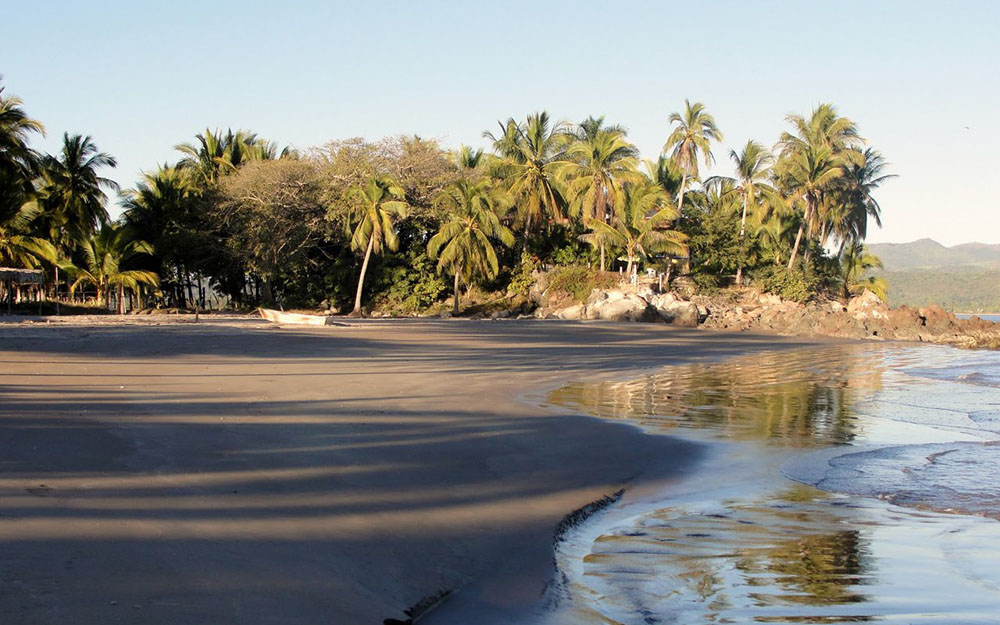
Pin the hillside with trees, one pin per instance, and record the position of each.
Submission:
(402, 225)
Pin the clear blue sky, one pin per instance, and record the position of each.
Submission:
(920, 78)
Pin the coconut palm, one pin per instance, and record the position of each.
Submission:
(215, 153)
(72, 191)
(855, 262)
(468, 159)
(464, 243)
(17, 247)
(856, 202)
(379, 202)
(639, 225)
(813, 159)
(751, 184)
(597, 164)
(806, 175)
(529, 164)
(18, 162)
(104, 254)
(692, 136)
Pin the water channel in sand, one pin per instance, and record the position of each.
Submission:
(902, 441)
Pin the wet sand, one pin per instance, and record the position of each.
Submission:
(237, 472)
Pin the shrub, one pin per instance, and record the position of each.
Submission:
(579, 281)
(790, 284)
(522, 276)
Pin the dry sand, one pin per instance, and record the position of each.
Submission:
(236, 472)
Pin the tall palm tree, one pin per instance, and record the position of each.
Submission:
(640, 222)
(379, 203)
(692, 136)
(18, 162)
(597, 164)
(854, 262)
(530, 160)
(751, 183)
(818, 146)
(104, 254)
(215, 153)
(464, 243)
(856, 201)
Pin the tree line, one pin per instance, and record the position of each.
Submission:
(401, 223)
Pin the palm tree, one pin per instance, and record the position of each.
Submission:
(18, 162)
(806, 175)
(468, 159)
(217, 154)
(104, 254)
(529, 163)
(855, 261)
(753, 171)
(856, 201)
(695, 130)
(464, 244)
(640, 222)
(812, 162)
(597, 165)
(17, 248)
(380, 201)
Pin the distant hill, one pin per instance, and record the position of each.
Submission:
(929, 254)
(964, 278)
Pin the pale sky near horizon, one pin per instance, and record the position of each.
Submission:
(920, 79)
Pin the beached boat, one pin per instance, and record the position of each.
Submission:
(279, 316)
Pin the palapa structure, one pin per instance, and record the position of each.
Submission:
(13, 278)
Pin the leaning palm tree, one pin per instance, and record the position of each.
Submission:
(855, 261)
(379, 202)
(104, 254)
(464, 244)
(695, 130)
(640, 224)
(807, 174)
(597, 165)
(530, 160)
(751, 183)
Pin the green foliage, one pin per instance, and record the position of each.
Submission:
(791, 284)
(579, 281)
(522, 276)
(408, 284)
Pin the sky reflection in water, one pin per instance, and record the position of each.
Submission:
(739, 543)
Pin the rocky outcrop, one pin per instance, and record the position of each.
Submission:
(862, 317)
(620, 304)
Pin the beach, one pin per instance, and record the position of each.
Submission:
(231, 471)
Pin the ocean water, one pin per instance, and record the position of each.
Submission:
(993, 318)
(845, 484)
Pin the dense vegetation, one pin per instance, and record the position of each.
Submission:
(402, 223)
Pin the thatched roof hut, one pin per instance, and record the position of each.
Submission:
(21, 276)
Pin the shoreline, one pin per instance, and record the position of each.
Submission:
(445, 490)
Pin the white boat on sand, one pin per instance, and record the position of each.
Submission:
(280, 316)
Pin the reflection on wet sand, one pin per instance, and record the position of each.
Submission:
(792, 399)
(751, 546)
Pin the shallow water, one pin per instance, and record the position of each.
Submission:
(899, 440)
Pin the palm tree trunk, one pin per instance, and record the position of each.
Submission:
(602, 257)
(57, 290)
(743, 230)
(361, 279)
(795, 248)
(454, 309)
(680, 195)
(121, 299)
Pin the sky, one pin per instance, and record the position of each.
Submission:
(920, 79)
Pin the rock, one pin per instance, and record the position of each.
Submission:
(867, 306)
(445, 315)
(616, 305)
(681, 314)
(572, 313)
